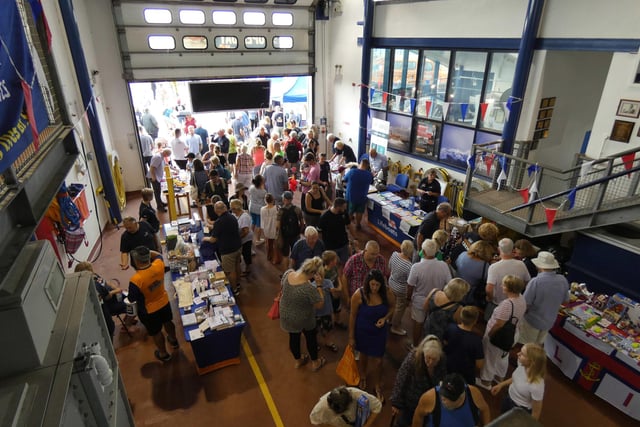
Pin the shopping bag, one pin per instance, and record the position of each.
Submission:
(348, 367)
(274, 311)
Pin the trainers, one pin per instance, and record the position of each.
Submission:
(398, 331)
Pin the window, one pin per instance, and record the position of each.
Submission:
(283, 19)
(161, 42)
(254, 18)
(194, 42)
(405, 69)
(498, 90)
(224, 17)
(466, 87)
(255, 42)
(283, 42)
(195, 17)
(157, 16)
(379, 78)
(432, 83)
(225, 42)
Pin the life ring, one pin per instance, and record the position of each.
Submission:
(118, 181)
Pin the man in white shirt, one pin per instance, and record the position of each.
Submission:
(507, 265)
(146, 145)
(194, 142)
(179, 149)
(378, 163)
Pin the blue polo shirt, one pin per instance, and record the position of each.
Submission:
(358, 181)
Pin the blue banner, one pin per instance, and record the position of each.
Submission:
(16, 133)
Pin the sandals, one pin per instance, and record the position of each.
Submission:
(164, 358)
(321, 362)
(302, 361)
(332, 347)
(173, 344)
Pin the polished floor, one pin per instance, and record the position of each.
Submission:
(170, 394)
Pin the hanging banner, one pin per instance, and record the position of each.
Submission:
(16, 132)
(628, 160)
(551, 216)
(380, 135)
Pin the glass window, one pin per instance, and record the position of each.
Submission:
(284, 19)
(379, 78)
(405, 69)
(455, 145)
(432, 83)
(499, 81)
(399, 132)
(285, 1)
(465, 88)
(427, 138)
(225, 42)
(255, 42)
(195, 42)
(375, 114)
(254, 18)
(189, 16)
(283, 42)
(224, 17)
(157, 16)
(162, 42)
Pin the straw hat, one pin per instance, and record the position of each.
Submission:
(546, 261)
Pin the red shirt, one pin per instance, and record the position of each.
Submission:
(355, 270)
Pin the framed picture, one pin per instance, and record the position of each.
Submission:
(629, 108)
(621, 131)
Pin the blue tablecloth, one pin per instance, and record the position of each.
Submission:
(394, 226)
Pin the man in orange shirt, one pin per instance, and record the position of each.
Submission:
(146, 287)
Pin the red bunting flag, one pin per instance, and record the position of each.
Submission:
(628, 160)
(30, 114)
(428, 105)
(525, 195)
(483, 109)
(384, 97)
(551, 216)
(488, 161)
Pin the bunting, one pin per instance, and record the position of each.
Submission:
(483, 109)
(533, 168)
(525, 195)
(413, 104)
(428, 107)
(501, 177)
(488, 161)
(585, 168)
(463, 110)
(471, 161)
(445, 109)
(384, 97)
(628, 160)
(572, 198)
(551, 216)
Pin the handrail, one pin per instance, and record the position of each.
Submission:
(579, 187)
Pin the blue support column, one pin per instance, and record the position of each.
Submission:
(367, 34)
(84, 83)
(521, 75)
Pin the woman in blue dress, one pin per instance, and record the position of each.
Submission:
(371, 310)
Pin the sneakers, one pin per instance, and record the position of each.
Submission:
(398, 331)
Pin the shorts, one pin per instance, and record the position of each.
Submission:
(529, 334)
(356, 208)
(418, 314)
(230, 261)
(324, 323)
(255, 219)
(232, 158)
(154, 321)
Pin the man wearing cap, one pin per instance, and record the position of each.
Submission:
(276, 180)
(544, 295)
(146, 288)
(453, 403)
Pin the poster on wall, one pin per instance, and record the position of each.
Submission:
(21, 103)
(380, 135)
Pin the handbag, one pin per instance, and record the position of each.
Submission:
(347, 368)
(274, 311)
(504, 338)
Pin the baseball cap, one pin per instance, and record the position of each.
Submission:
(287, 195)
(452, 387)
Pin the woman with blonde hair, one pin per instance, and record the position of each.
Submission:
(440, 237)
(400, 266)
(423, 368)
(442, 307)
(526, 385)
(298, 304)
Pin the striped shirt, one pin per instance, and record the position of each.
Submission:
(400, 269)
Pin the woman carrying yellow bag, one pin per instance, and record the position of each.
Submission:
(347, 368)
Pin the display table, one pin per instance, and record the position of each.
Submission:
(393, 217)
(595, 365)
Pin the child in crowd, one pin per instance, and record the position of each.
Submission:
(324, 319)
(330, 262)
(340, 182)
(325, 175)
(463, 347)
(268, 219)
(146, 211)
(293, 182)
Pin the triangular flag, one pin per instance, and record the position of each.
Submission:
(503, 162)
(384, 97)
(551, 216)
(30, 115)
(413, 104)
(628, 160)
(533, 188)
(463, 110)
(525, 195)
(585, 168)
(572, 198)
(483, 109)
(372, 92)
(509, 103)
(507, 113)
(501, 177)
(428, 107)
(532, 168)
(445, 109)
(38, 12)
(369, 113)
(488, 161)
(471, 161)
(398, 99)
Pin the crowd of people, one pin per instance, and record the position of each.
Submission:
(447, 284)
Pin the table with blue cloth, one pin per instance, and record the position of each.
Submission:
(394, 218)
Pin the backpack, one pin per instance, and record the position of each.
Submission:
(293, 155)
(289, 223)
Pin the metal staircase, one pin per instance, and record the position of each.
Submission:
(602, 191)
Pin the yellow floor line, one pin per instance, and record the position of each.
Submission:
(261, 382)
